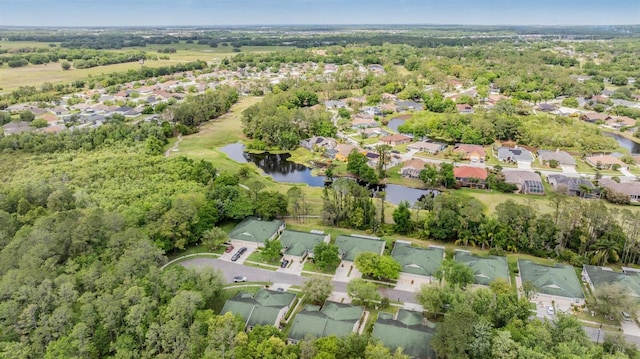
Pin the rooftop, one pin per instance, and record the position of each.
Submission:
(332, 319)
(562, 157)
(420, 261)
(514, 154)
(470, 172)
(601, 275)
(351, 246)
(255, 230)
(559, 280)
(486, 269)
(297, 243)
(406, 331)
(261, 309)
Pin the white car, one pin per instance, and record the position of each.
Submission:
(239, 278)
(550, 310)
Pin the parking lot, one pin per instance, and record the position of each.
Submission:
(226, 256)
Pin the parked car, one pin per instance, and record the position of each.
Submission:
(239, 278)
(235, 257)
(242, 250)
(626, 316)
(550, 310)
(284, 263)
(229, 248)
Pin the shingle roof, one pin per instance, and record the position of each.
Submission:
(470, 172)
(485, 269)
(406, 332)
(332, 319)
(559, 280)
(253, 230)
(351, 246)
(421, 261)
(562, 157)
(261, 309)
(599, 276)
(297, 243)
(515, 154)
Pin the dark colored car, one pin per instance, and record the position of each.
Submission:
(238, 254)
(242, 250)
(284, 263)
(229, 248)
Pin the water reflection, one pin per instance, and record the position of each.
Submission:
(630, 145)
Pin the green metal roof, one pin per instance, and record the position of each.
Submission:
(559, 280)
(406, 332)
(486, 269)
(600, 276)
(261, 309)
(254, 230)
(297, 243)
(332, 319)
(421, 261)
(351, 246)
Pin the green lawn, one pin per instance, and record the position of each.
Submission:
(311, 267)
(261, 258)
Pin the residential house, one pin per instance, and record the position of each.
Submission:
(486, 269)
(266, 307)
(464, 108)
(372, 159)
(16, 127)
(474, 177)
(59, 111)
(423, 262)
(343, 151)
(605, 162)
(409, 106)
(528, 182)
(566, 111)
(374, 132)
(594, 117)
(395, 140)
(546, 107)
(256, 232)
(554, 283)
(573, 186)
(430, 147)
(563, 158)
(372, 110)
(517, 154)
(317, 142)
(617, 122)
(331, 319)
(49, 117)
(600, 277)
(351, 246)
(376, 68)
(363, 121)
(412, 168)
(407, 330)
(631, 189)
(333, 104)
(299, 245)
(473, 153)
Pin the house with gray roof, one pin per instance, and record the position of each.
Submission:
(486, 269)
(557, 282)
(597, 276)
(573, 186)
(528, 182)
(418, 261)
(351, 246)
(255, 231)
(513, 155)
(301, 244)
(331, 319)
(563, 158)
(407, 330)
(630, 189)
(16, 127)
(266, 307)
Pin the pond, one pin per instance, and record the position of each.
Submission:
(630, 145)
(278, 167)
(395, 123)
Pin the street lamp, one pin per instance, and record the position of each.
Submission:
(598, 339)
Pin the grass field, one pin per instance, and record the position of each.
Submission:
(36, 75)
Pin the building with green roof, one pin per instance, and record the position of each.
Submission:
(598, 276)
(486, 269)
(332, 319)
(266, 307)
(296, 243)
(556, 281)
(407, 330)
(351, 246)
(256, 231)
(419, 261)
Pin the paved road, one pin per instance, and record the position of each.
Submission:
(254, 274)
(593, 334)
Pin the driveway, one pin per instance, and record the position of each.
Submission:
(237, 245)
(294, 267)
(571, 170)
(411, 282)
(346, 272)
(524, 165)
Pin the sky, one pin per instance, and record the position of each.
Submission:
(289, 12)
